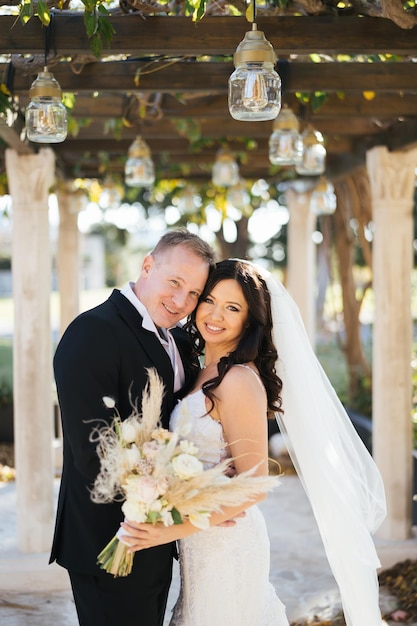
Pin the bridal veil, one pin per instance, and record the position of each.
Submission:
(340, 478)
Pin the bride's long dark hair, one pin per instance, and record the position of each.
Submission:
(256, 343)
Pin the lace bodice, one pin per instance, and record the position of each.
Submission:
(206, 433)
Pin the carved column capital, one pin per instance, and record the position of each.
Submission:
(391, 174)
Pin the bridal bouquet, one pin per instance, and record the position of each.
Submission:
(159, 476)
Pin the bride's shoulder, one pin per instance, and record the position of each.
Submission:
(242, 376)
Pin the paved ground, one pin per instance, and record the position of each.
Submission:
(33, 593)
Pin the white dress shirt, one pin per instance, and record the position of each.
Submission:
(163, 334)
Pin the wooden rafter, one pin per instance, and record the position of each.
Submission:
(156, 82)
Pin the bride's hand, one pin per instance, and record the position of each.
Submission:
(232, 521)
(142, 536)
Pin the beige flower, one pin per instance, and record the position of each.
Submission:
(186, 466)
(188, 447)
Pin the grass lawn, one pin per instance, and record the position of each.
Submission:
(6, 361)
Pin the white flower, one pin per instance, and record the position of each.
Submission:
(200, 520)
(134, 510)
(161, 435)
(110, 403)
(156, 506)
(129, 431)
(143, 488)
(150, 449)
(131, 457)
(186, 466)
(166, 518)
(188, 447)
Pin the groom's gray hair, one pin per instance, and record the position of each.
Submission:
(183, 237)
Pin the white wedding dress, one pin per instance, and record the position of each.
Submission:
(224, 570)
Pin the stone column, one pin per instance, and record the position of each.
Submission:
(301, 266)
(68, 257)
(392, 180)
(29, 178)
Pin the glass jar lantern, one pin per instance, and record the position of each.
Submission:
(46, 116)
(254, 86)
(285, 147)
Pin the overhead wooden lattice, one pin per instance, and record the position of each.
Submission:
(165, 77)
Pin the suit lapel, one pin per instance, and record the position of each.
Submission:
(149, 342)
(191, 365)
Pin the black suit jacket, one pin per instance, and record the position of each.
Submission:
(103, 352)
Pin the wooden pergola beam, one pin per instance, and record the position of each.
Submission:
(212, 77)
(137, 35)
(381, 107)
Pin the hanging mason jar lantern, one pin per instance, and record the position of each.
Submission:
(323, 199)
(139, 168)
(254, 86)
(225, 171)
(313, 161)
(285, 147)
(46, 116)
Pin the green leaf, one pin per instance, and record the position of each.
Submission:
(200, 11)
(106, 29)
(90, 5)
(317, 99)
(315, 58)
(68, 99)
(250, 13)
(102, 9)
(91, 23)
(43, 13)
(26, 11)
(96, 46)
(176, 516)
(73, 126)
(153, 517)
(195, 8)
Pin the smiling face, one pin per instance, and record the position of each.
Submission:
(170, 284)
(222, 316)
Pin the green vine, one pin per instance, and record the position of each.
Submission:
(195, 9)
(98, 27)
(314, 99)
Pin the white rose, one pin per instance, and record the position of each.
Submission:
(186, 466)
(134, 511)
(128, 431)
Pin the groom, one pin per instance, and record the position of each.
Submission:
(105, 352)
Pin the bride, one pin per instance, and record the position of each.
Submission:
(224, 570)
(241, 320)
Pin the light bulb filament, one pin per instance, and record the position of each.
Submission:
(255, 95)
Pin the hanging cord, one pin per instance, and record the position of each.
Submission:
(10, 76)
(48, 39)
